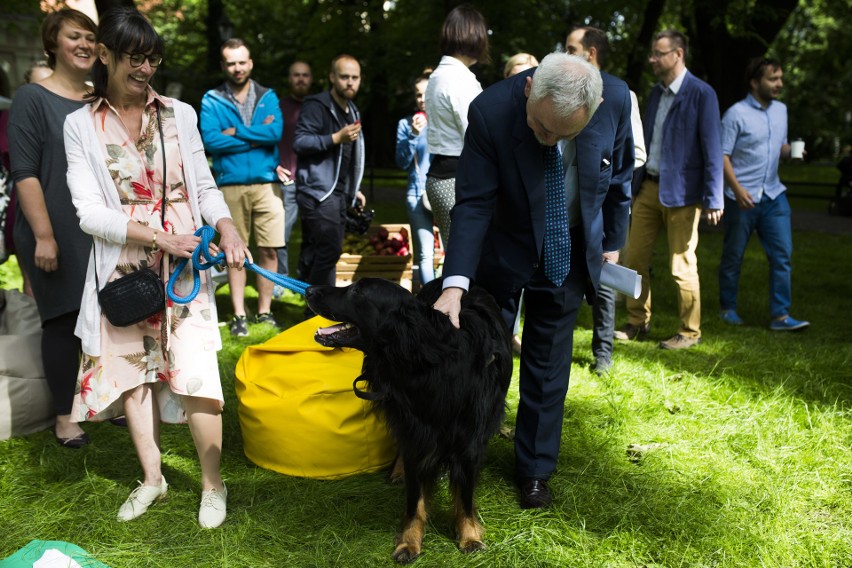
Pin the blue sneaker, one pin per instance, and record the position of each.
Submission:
(730, 317)
(788, 324)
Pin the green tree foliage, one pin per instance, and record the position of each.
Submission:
(815, 48)
(395, 39)
(183, 27)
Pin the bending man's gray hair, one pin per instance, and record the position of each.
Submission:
(570, 81)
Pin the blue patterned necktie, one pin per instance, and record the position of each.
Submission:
(557, 238)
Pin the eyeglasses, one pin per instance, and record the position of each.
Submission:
(660, 54)
(137, 59)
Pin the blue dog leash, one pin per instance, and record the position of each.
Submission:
(207, 233)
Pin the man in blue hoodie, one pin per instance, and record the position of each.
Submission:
(241, 125)
(330, 146)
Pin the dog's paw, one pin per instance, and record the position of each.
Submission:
(405, 553)
(471, 545)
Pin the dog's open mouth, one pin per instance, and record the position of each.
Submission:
(339, 335)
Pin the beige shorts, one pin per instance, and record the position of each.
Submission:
(258, 207)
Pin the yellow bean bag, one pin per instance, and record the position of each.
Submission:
(298, 413)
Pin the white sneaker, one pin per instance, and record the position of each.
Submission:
(140, 499)
(213, 508)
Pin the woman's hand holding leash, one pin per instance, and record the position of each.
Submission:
(236, 251)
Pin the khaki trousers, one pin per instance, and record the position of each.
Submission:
(648, 218)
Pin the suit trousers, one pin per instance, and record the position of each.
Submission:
(648, 218)
(551, 312)
(603, 323)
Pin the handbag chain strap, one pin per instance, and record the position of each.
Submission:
(162, 207)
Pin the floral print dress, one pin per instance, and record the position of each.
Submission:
(174, 350)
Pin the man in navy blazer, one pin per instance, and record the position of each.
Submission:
(683, 174)
(499, 227)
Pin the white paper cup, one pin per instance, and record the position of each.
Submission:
(797, 149)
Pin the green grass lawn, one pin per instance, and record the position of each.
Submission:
(745, 457)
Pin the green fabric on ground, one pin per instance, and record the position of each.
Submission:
(35, 549)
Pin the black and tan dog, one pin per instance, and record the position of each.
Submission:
(442, 390)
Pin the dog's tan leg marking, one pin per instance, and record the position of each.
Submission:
(409, 542)
(468, 528)
(397, 474)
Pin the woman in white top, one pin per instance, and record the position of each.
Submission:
(452, 87)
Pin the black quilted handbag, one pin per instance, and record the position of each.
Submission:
(141, 294)
(132, 298)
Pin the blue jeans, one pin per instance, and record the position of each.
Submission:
(771, 219)
(291, 215)
(422, 238)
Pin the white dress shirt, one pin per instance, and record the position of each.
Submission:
(450, 90)
(639, 153)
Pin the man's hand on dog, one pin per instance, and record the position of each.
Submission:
(449, 304)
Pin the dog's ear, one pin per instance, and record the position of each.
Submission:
(412, 333)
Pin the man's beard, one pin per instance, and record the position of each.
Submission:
(343, 94)
(238, 82)
(300, 89)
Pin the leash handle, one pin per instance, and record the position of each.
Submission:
(209, 261)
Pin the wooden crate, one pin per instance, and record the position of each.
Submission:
(353, 267)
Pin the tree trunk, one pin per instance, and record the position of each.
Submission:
(215, 13)
(637, 61)
(378, 123)
(721, 58)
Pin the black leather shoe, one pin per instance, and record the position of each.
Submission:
(72, 443)
(535, 494)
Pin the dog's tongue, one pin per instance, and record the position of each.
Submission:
(332, 329)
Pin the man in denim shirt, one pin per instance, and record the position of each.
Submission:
(754, 138)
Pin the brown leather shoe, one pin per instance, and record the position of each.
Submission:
(679, 342)
(630, 332)
(535, 494)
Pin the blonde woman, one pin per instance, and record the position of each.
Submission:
(519, 62)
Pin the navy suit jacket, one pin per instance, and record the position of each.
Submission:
(498, 219)
(691, 154)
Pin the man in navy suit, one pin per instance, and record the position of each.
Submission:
(683, 174)
(499, 217)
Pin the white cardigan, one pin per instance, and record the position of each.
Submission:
(101, 215)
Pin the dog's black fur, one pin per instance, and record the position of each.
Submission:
(442, 390)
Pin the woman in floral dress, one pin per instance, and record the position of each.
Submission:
(165, 368)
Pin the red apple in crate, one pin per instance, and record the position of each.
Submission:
(382, 234)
